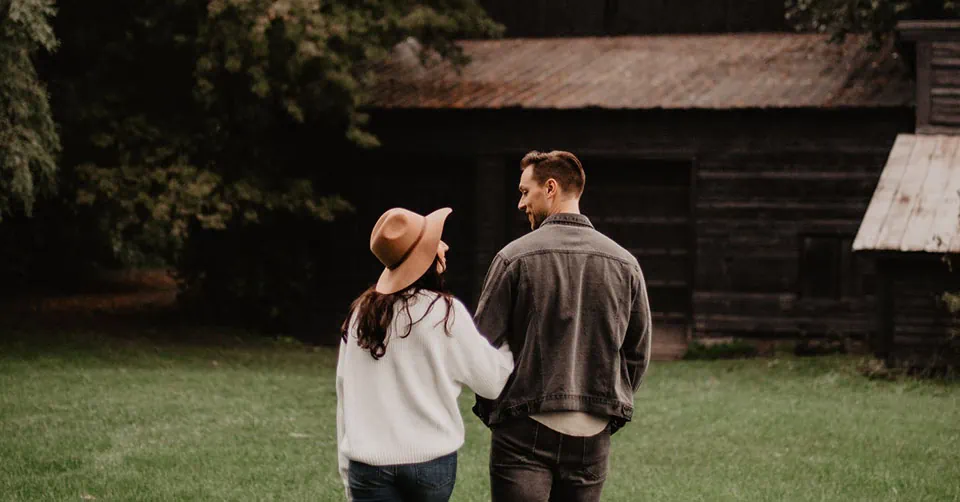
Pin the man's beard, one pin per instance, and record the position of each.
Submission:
(538, 219)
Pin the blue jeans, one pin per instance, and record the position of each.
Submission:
(430, 481)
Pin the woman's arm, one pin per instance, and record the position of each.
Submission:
(475, 362)
(343, 463)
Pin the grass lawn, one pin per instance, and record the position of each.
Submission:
(97, 419)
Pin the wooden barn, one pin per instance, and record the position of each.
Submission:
(736, 167)
(912, 225)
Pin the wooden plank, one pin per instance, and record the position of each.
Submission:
(795, 161)
(917, 235)
(945, 51)
(630, 199)
(923, 84)
(746, 273)
(664, 268)
(648, 236)
(925, 337)
(786, 304)
(938, 30)
(945, 110)
(774, 326)
(905, 196)
(787, 210)
(826, 189)
(883, 195)
(945, 220)
(945, 92)
(947, 63)
(944, 77)
(693, 258)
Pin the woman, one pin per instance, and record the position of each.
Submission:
(408, 347)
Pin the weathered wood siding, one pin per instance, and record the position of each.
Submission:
(778, 197)
(937, 59)
(755, 213)
(944, 81)
(917, 326)
(646, 206)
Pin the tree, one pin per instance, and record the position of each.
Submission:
(158, 98)
(876, 17)
(200, 132)
(29, 143)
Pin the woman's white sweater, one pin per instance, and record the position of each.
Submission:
(402, 408)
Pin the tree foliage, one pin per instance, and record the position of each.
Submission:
(249, 100)
(313, 59)
(29, 143)
(876, 17)
(206, 134)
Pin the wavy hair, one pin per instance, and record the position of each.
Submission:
(373, 313)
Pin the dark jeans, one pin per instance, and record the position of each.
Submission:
(430, 481)
(530, 462)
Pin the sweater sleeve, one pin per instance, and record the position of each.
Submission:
(474, 362)
(342, 462)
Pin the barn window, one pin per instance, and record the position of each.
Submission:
(829, 269)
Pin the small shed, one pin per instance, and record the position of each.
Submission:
(912, 224)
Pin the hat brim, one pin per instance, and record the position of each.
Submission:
(419, 260)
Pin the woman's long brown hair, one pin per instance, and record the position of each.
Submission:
(375, 311)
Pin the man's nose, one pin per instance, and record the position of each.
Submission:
(521, 206)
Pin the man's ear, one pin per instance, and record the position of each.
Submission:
(551, 187)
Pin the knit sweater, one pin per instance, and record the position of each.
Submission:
(402, 408)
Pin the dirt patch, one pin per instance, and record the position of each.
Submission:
(124, 297)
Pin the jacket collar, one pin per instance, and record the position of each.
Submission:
(567, 219)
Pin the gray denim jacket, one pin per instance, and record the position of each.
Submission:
(572, 304)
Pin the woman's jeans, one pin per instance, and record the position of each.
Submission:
(430, 481)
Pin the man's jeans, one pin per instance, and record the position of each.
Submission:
(532, 463)
(430, 481)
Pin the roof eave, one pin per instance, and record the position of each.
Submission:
(929, 30)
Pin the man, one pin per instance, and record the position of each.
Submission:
(572, 304)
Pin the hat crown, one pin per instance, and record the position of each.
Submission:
(395, 235)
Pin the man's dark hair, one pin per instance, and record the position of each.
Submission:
(562, 166)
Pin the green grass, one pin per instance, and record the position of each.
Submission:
(92, 418)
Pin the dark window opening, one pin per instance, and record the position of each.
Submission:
(830, 270)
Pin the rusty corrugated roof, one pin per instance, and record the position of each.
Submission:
(779, 70)
(916, 205)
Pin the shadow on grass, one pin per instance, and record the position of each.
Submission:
(131, 320)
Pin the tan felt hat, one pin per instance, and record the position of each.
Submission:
(406, 243)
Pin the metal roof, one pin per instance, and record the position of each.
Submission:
(766, 70)
(916, 205)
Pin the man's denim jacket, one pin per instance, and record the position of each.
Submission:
(572, 304)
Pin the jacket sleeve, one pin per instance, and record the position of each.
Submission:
(474, 362)
(495, 307)
(637, 342)
(342, 462)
